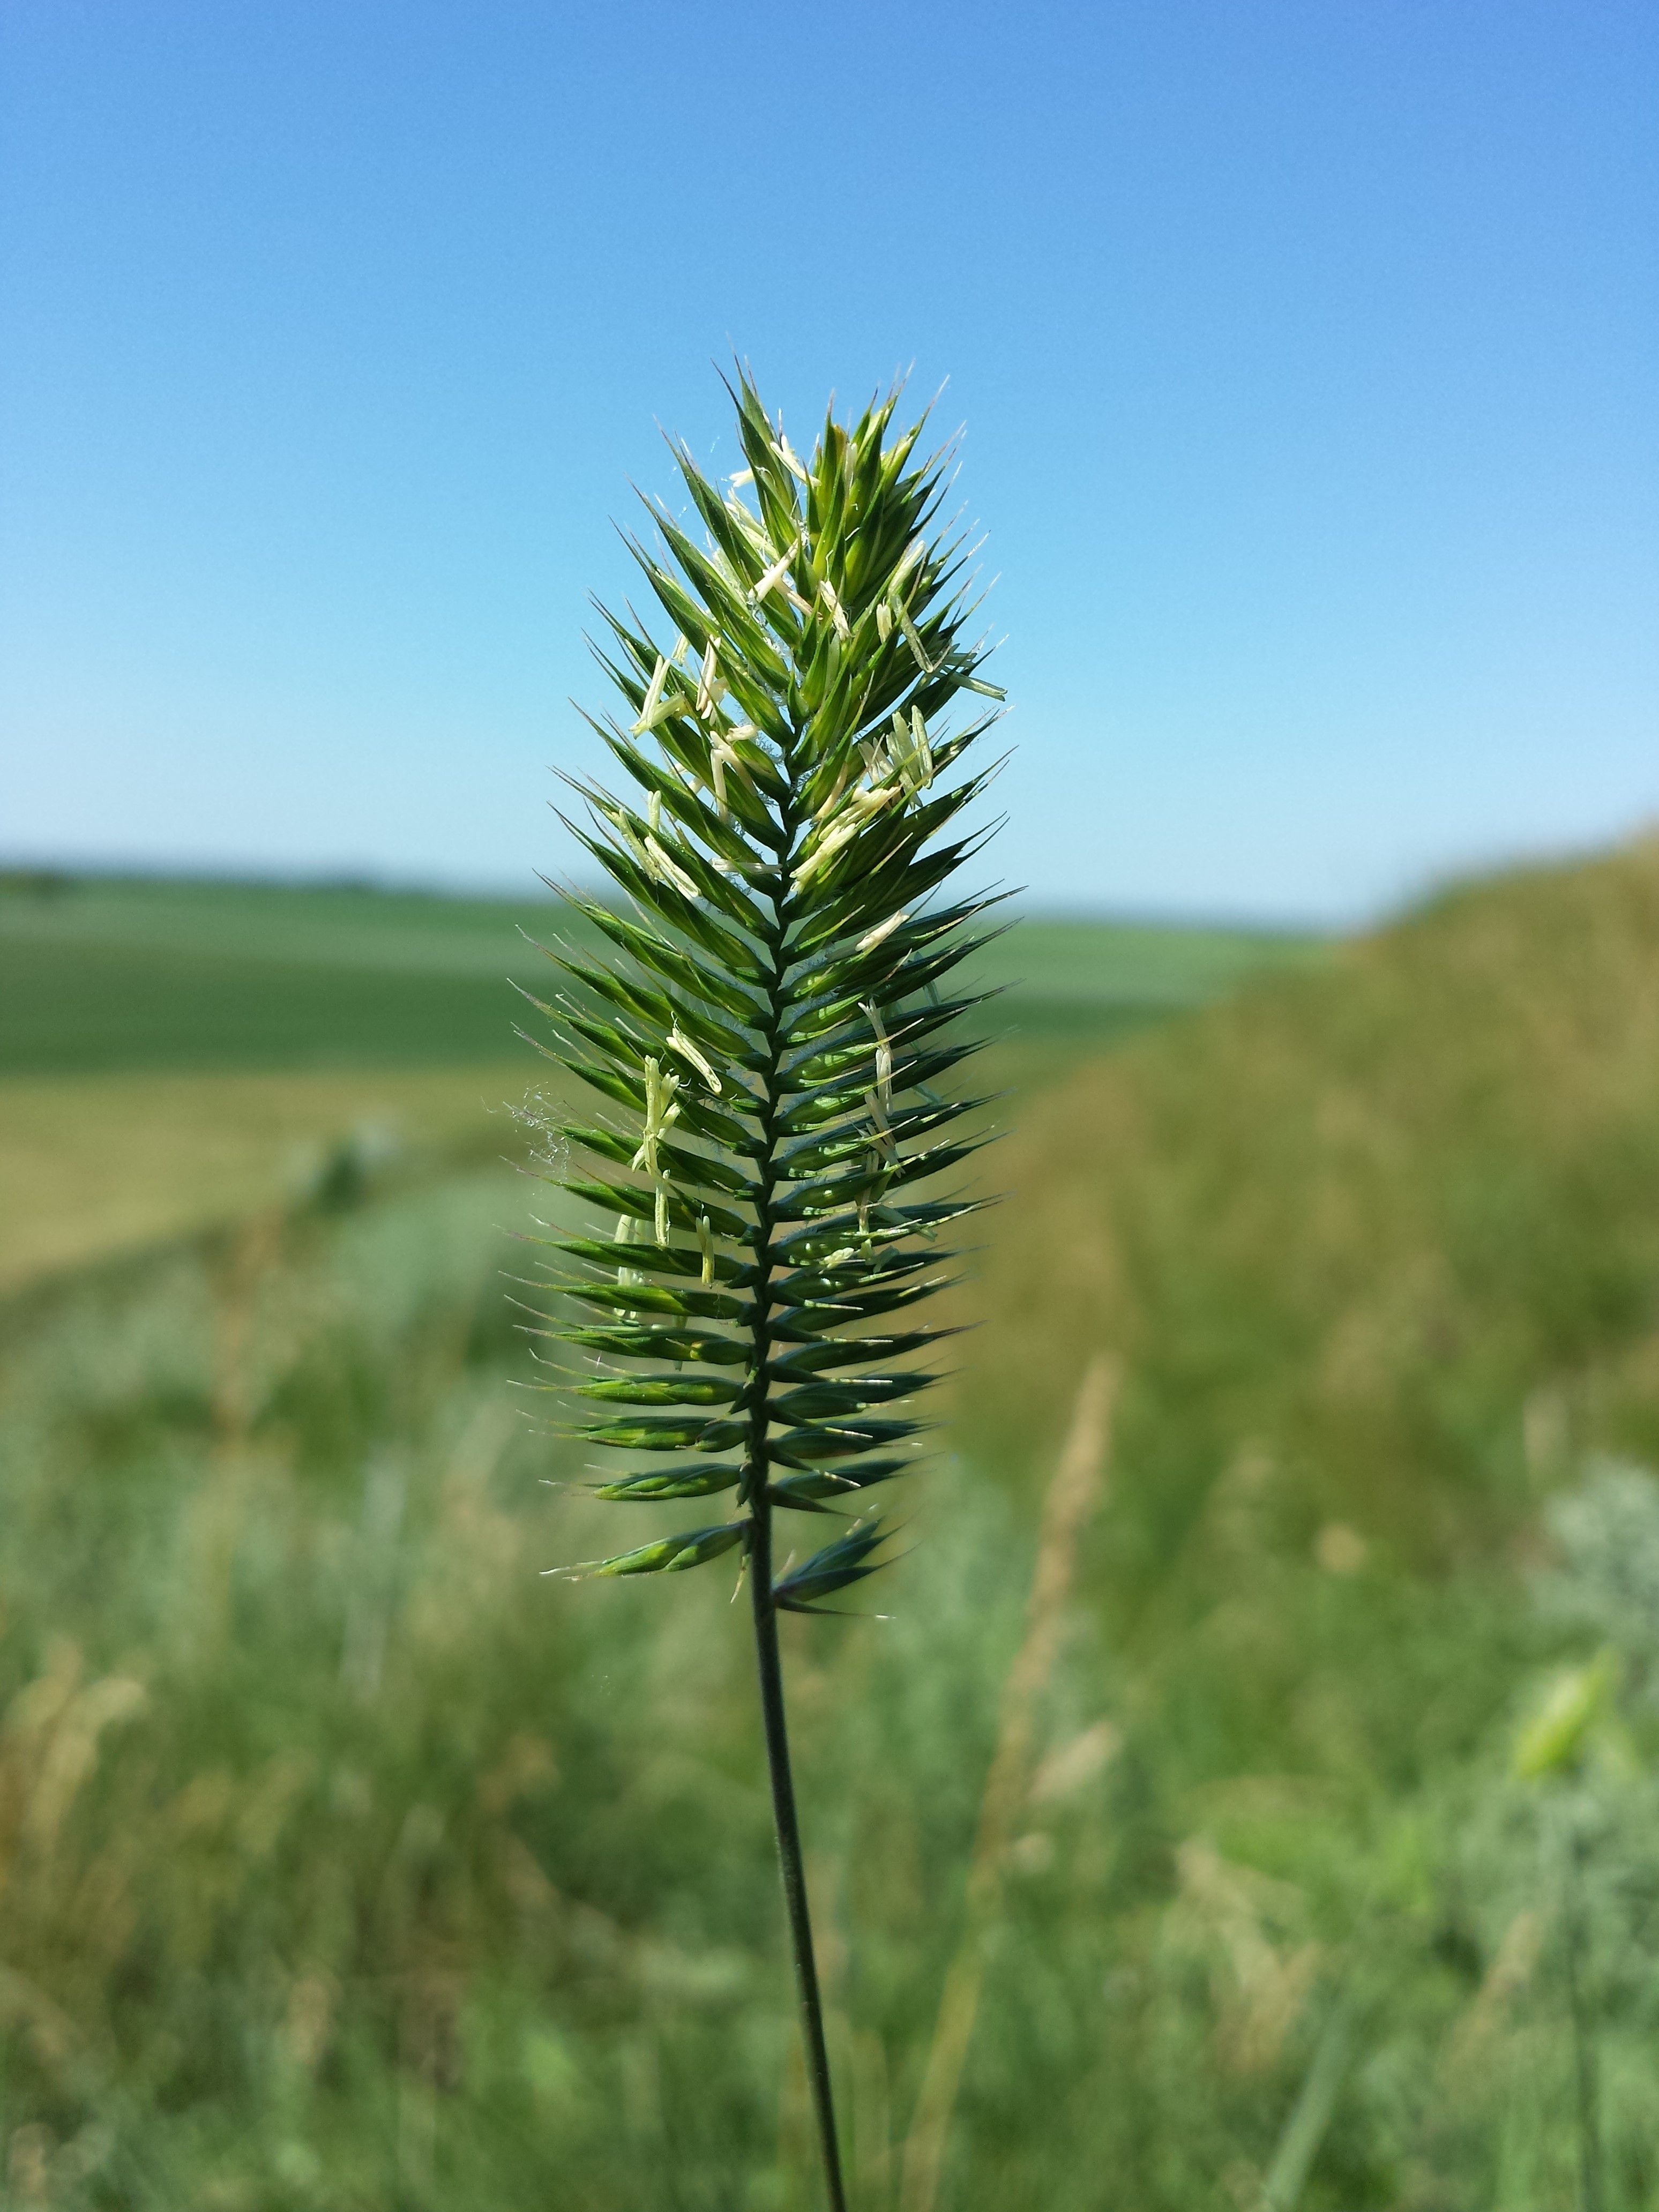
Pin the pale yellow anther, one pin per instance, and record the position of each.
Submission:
(669, 871)
(651, 856)
(837, 612)
(662, 1111)
(749, 524)
(679, 1042)
(625, 831)
(706, 1246)
(884, 621)
(627, 1278)
(884, 1052)
(653, 697)
(824, 852)
(858, 809)
(863, 803)
(913, 553)
(912, 640)
(913, 756)
(872, 938)
(833, 799)
(722, 754)
(924, 750)
(774, 574)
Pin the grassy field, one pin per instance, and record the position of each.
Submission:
(174, 1054)
(105, 975)
(346, 1863)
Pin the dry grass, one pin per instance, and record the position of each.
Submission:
(94, 1166)
(1071, 1500)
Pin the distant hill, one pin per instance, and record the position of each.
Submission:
(1383, 1235)
(101, 974)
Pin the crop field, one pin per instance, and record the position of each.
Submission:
(173, 1053)
(112, 975)
(347, 1863)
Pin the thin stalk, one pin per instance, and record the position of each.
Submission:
(768, 1661)
(789, 1858)
(1583, 2030)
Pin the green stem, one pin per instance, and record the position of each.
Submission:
(789, 1850)
(768, 1660)
(1583, 2030)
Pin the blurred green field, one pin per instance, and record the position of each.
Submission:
(344, 1863)
(101, 974)
(174, 1055)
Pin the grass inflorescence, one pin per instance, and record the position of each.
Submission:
(772, 1025)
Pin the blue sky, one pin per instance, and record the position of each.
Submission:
(1307, 355)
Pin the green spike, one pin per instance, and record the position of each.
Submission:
(767, 1025)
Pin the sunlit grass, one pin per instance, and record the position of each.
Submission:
(97, 1165)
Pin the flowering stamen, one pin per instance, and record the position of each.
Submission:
(912, 640)
(833, 799)
(672, 703)
(774, 574)
(837, 612)
(661, 1110)
(652, 695)
(858, 811)
(627, 1278)
(886, 1146)
(723, 755)
(872, 938)
(679, 1042)
(913, 553)
(667, 870)
(924, 750)
(884, 1052)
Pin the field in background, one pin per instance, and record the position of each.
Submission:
(346, 1864)
(174, 1053)
(101, 974)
